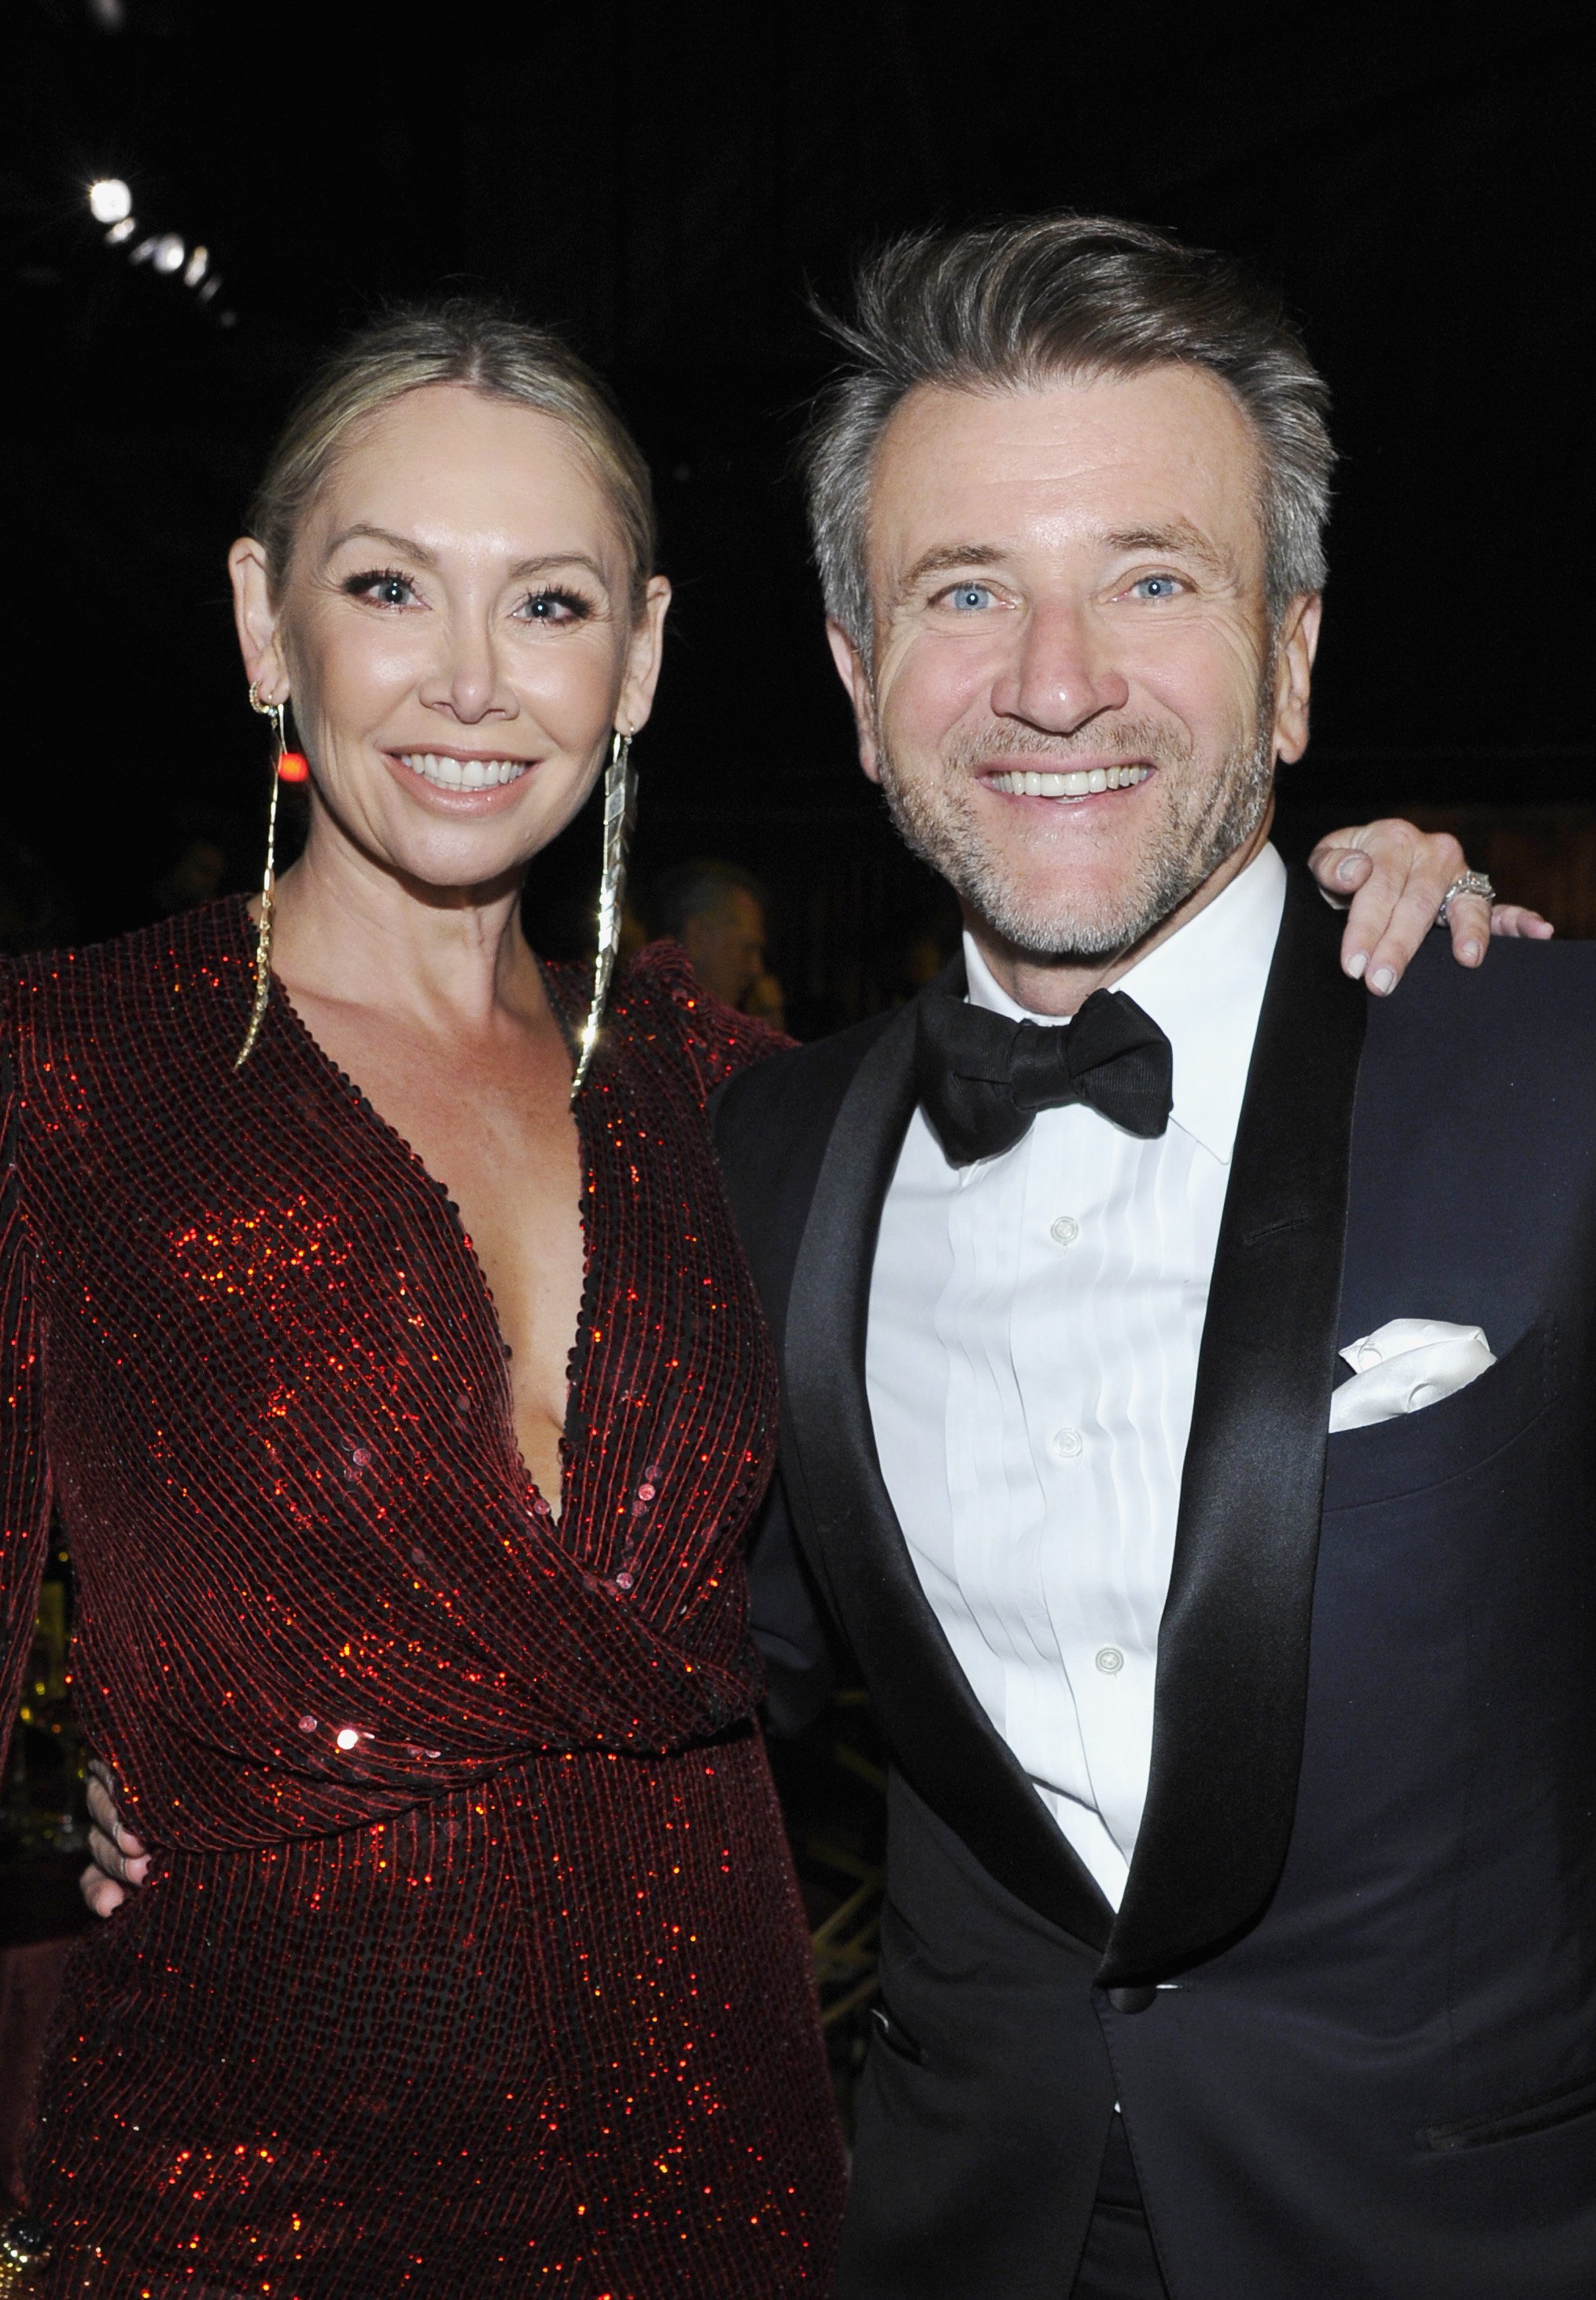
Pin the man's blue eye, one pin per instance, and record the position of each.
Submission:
(1156, 586)
(968, 597)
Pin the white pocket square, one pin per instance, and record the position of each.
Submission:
(1404, 1366)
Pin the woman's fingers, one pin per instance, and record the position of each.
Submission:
(103, 1895)
(1394, 908)
(1395, 878)
(115, 1849)
(1514, 919)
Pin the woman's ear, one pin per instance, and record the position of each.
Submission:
(645, 655)
(256, 621)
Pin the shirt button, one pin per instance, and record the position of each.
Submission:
(1065, 1230)
(1066, 1443)
(1111, 1660)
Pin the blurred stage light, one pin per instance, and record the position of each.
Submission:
(111, 203)
(110, 200)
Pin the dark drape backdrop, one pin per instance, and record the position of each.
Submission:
(670, 184)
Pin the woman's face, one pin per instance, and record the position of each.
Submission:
(456, 633)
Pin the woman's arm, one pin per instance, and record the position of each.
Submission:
(24, 1475)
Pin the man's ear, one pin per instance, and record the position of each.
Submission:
(1293, 674)
(854, 674)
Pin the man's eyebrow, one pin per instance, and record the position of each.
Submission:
(1178, 538)
(946, 559)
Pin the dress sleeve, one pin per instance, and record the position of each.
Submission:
(717, 1040)
(24, 1477)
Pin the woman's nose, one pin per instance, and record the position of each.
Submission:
(468, 683)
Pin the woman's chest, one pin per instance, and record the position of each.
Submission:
(277, 1276)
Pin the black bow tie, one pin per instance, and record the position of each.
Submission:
(982, 1078)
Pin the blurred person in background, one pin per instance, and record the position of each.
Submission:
(717, 911)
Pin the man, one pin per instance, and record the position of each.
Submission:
(1239, 1938)
(717, 913)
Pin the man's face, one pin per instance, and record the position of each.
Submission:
(727, 945)
(1076, 700)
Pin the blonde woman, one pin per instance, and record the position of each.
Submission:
(406, 1418)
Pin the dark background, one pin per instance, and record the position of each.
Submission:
(670, 183)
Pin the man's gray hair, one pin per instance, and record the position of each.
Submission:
(1013, 307)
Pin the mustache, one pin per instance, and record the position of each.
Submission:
(1126, 741)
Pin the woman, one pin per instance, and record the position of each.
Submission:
(472, 1960)
(469, 1959)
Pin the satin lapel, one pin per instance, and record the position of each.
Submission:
(939, 1734)
(1232, 1648)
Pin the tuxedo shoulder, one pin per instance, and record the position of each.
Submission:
(765, 1114)
(1529, 1002)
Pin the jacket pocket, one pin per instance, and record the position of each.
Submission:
(1513, 2123)
(1456, 1438)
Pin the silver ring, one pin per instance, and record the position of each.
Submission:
(1472, 882)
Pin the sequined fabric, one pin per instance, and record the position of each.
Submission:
(472, 1961)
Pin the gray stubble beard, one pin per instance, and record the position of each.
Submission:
(1192, 844)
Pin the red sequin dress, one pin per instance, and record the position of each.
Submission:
(472, 1962)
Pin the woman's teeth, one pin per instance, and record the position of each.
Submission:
(462, 774)
(1080, 783)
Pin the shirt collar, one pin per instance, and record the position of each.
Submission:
(1204, 988)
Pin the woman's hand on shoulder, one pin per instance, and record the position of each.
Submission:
(120, 1862)
(1395, 878)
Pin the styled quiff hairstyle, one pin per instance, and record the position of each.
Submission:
(1013, 307)
(463, 341)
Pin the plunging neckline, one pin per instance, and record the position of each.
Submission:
(576, 1361)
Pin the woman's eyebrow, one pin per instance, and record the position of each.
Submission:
(362, 531)
(547, 559)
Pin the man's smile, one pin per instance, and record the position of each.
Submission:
(1071, 783)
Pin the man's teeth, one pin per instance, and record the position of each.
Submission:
(1080, 783)
(462, 774)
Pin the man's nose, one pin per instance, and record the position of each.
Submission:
(467, 682)
(1059, 677)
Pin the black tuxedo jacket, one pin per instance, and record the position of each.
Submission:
(1349, 2002)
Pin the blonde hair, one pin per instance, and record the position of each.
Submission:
(462, 341)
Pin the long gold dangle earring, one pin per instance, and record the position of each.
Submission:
(279, 745)
(612, 887)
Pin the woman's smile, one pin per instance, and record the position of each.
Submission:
(463, 782)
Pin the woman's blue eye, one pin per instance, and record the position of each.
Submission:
(384, 589)
(1155, 587)
(555, 607)
(969, 598)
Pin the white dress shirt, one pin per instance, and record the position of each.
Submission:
(1034, 1321)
